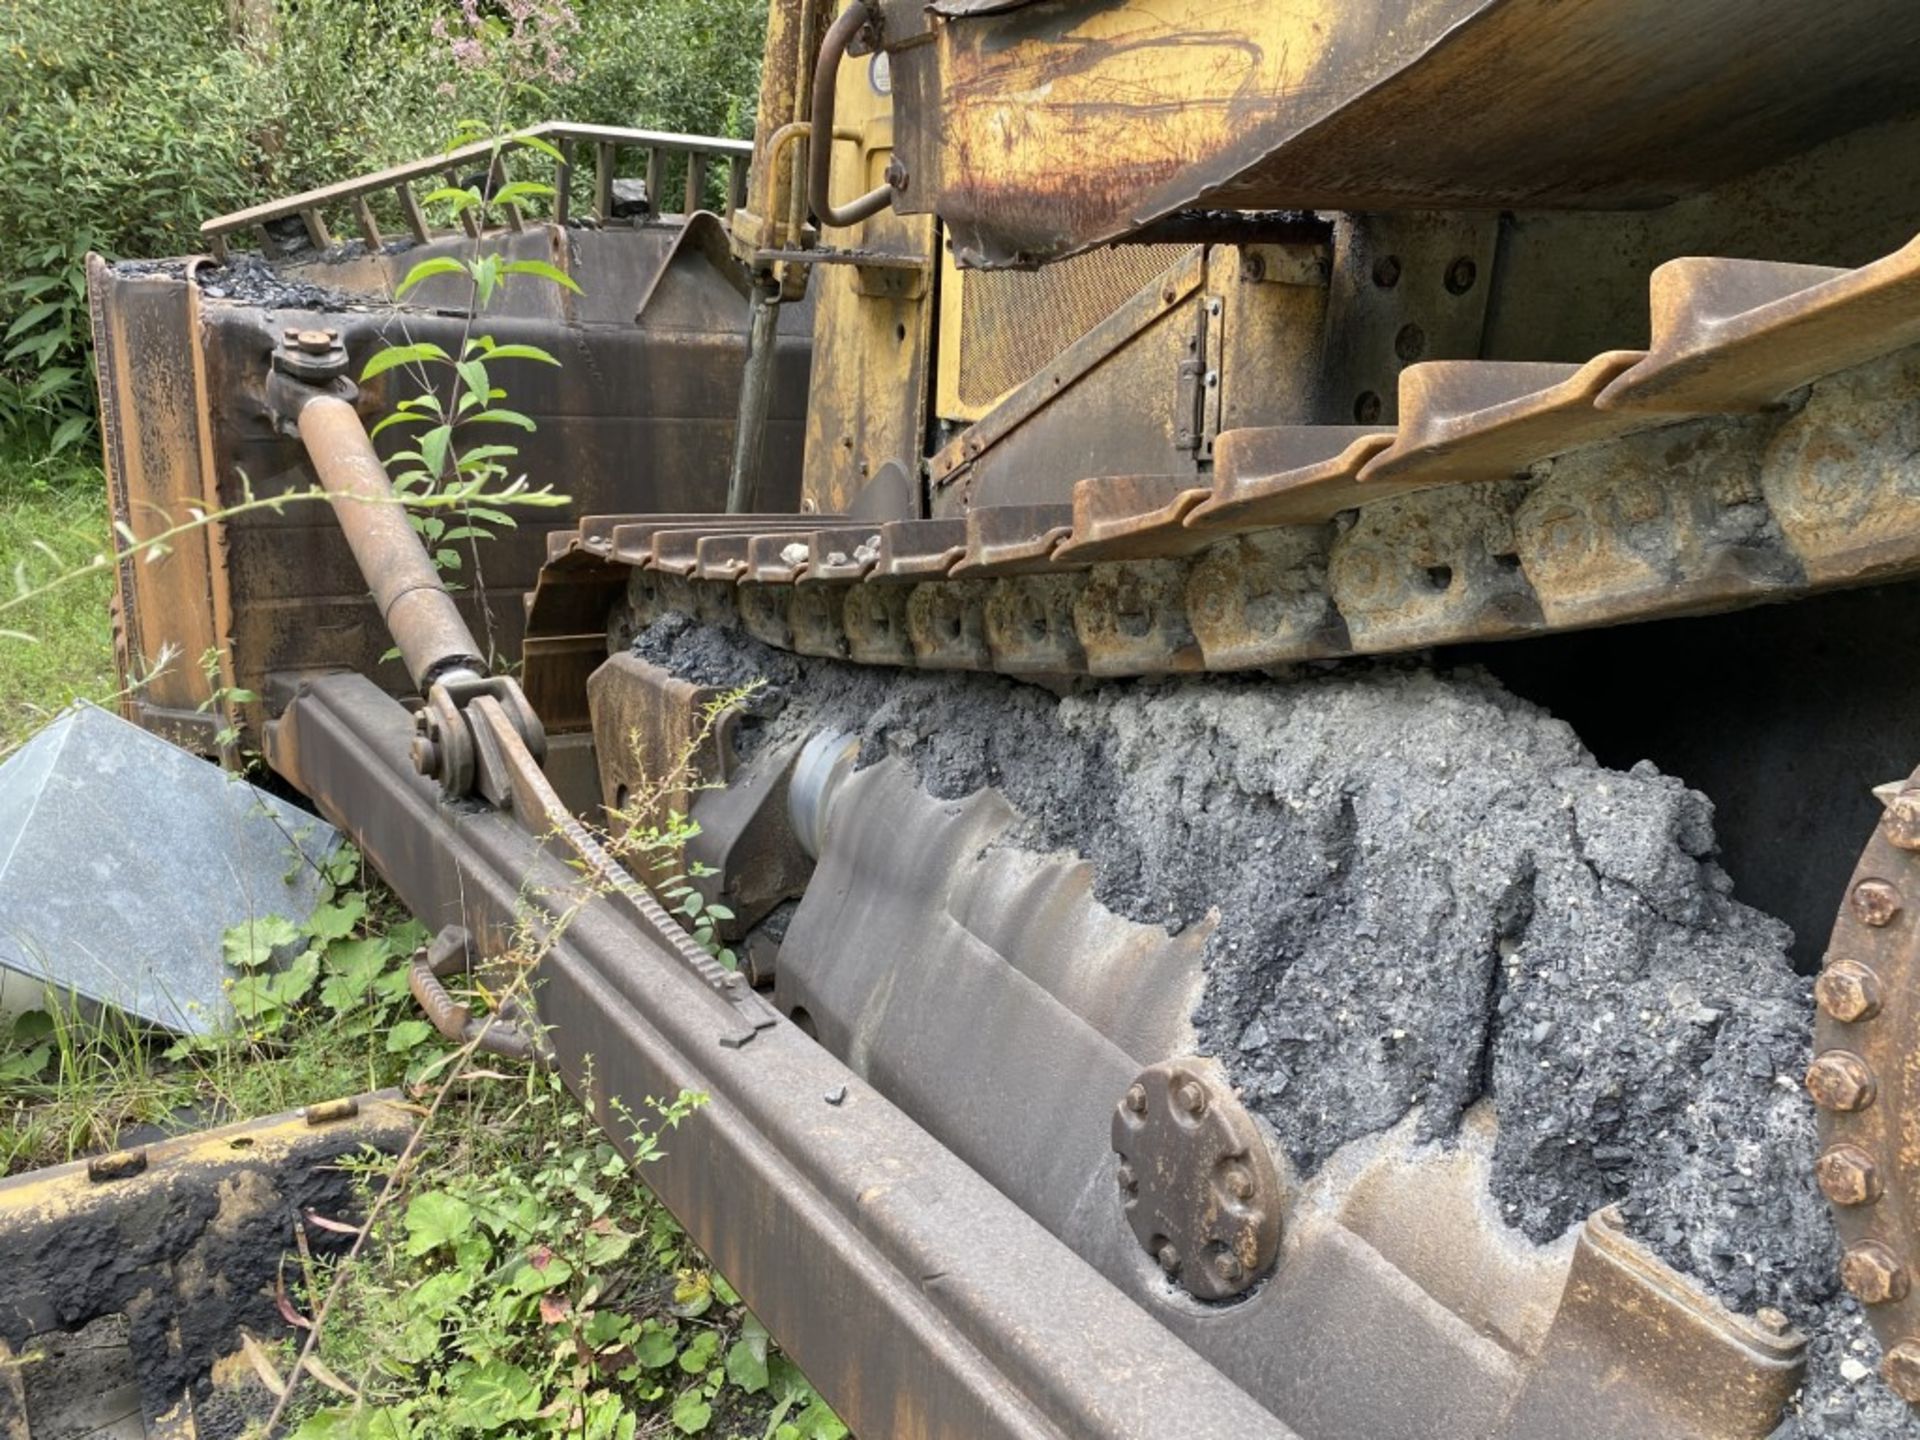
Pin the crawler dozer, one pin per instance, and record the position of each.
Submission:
(1238, 511)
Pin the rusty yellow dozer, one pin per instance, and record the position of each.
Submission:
(1229, 517)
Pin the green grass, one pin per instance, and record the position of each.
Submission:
(59, 648)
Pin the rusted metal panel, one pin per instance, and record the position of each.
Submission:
(637, 418)
(153, 422)
(1028, 141)
(1635, 1349)
(873, 328)
(1132, 361)
(647, 725)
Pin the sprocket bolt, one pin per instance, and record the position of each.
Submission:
(1137, 1099)
(1901, 1371)
(1848, 1176)
(1840, 1080)
(1874, 1274)
(1903, 819)
(1192, 1098)
(1169, 1258)
(1848, 991)
(1876, 903)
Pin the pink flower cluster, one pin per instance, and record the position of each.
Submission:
(522, 41)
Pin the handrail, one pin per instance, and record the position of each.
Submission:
(826, 83)
(607, 141)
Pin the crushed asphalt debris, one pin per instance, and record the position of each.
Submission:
(251, 280)
(1428, 893)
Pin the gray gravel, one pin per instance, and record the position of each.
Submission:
(1428, 893)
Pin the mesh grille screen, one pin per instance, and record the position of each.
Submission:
(1013, 322)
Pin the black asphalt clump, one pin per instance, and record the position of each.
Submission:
(251, 280)
(1428, 893)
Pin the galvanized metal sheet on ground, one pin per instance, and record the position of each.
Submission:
(123, 861)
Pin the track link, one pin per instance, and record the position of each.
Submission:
(1762, 448)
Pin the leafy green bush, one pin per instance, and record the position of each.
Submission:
(538, 1289)
(125, 123)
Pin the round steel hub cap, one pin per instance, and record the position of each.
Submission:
(1199, 1185)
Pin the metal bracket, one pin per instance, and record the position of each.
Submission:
(1213, 331)
(1196, 405)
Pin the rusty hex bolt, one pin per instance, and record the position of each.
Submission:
(1874, 1274)
(1841, 1080)
(1192, 1098)
(1876, 903)
(898, 177)
(314, 342)
(1848, 1176)
(1168, 1256)
(1239, 1184)
(1228, 1267)
(1137, 1100)
(1901, 1371)
(1903, 819)
(1848, 991)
